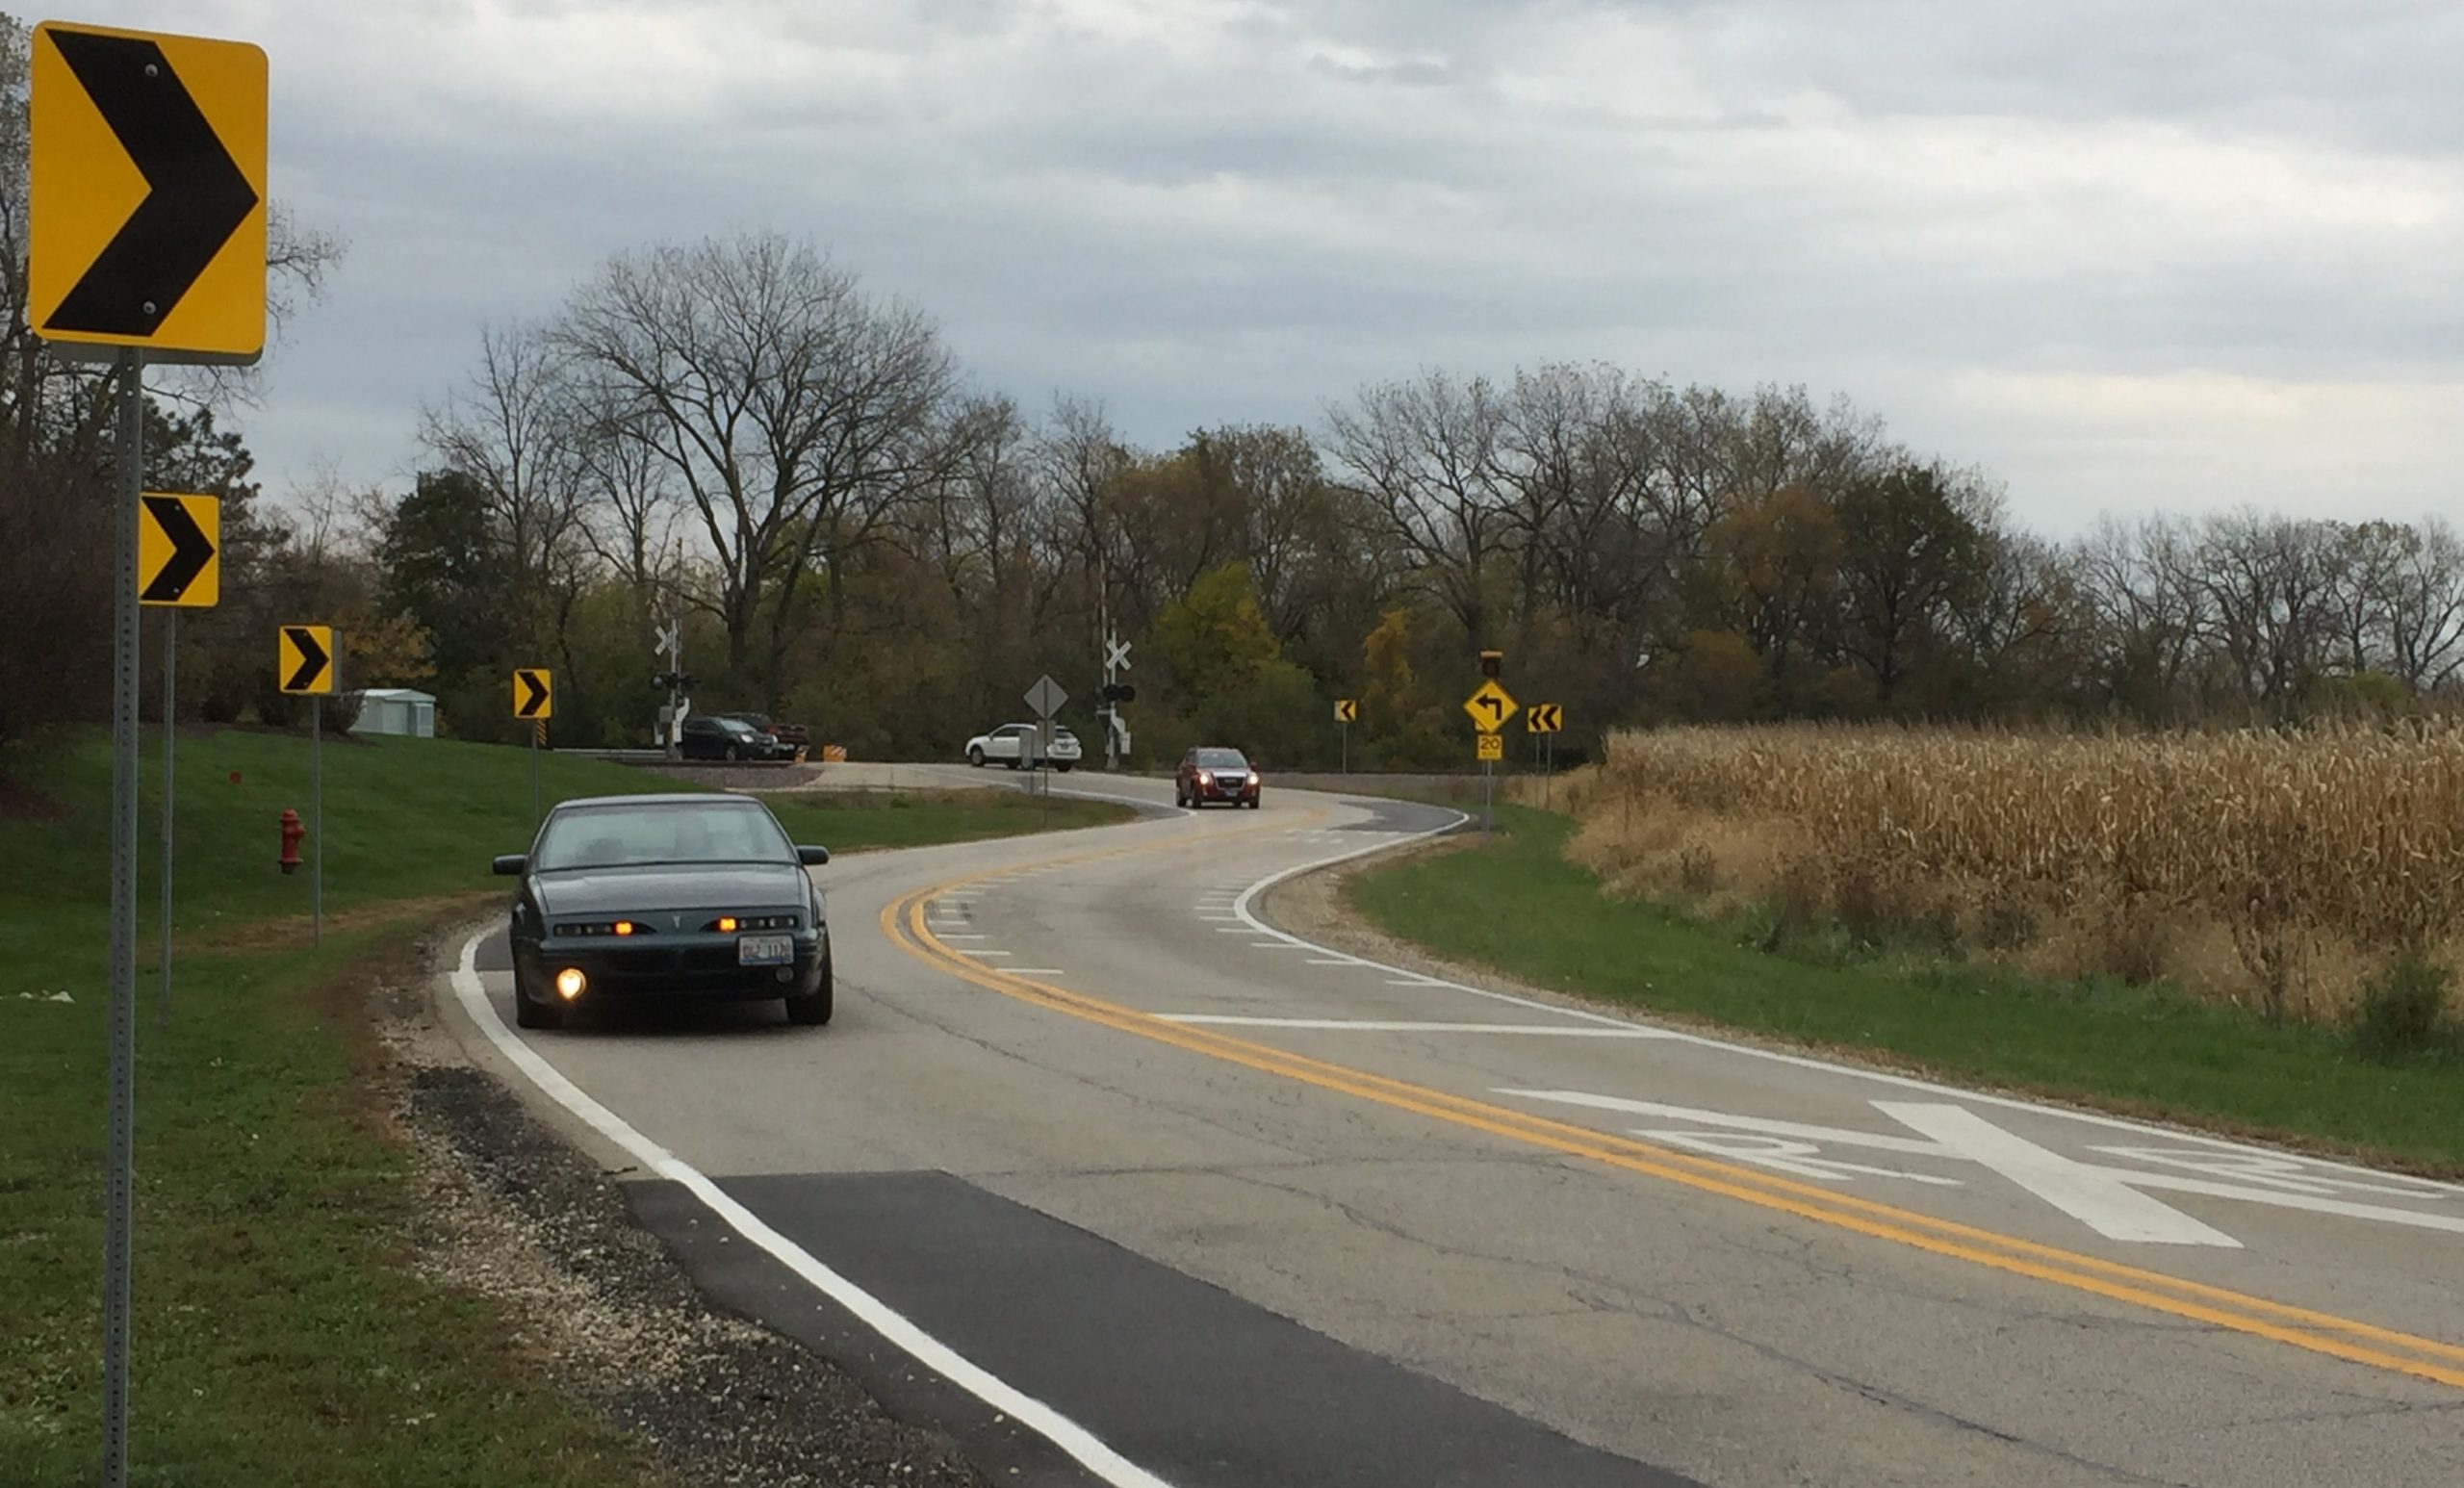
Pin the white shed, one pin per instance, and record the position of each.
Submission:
(396, 710)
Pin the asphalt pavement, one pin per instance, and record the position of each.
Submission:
(1094, 1151)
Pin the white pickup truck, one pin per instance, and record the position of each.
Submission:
(1014, 745)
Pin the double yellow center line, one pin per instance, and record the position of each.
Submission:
(2343, 1338)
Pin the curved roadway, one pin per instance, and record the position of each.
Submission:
(1109, 1179)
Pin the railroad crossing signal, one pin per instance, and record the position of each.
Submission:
(1492, 746)
(1543, 718)
(305, 658)
(179, 550)
(1346, 710)
(148, 194)
(535, 693)
(1116, 656)
(1490, 706)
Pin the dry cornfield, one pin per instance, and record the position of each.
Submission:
(2277, 869)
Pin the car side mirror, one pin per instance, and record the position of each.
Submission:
(513, 864)
(812, 857)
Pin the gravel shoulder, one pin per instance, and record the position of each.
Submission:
(511, 1212)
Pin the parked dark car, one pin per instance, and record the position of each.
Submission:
(700, 896)
(725, 738)
(793, 737)
(1208, 775)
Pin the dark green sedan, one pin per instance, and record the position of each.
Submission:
(689, 896)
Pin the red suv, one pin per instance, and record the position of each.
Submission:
(1211, 775)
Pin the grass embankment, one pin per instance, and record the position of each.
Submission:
(1515, 903)
(280, 1335)
(863, 821)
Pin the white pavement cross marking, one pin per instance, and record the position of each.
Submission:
(2287, 1175)
(1400, 1026)
(1802, 1158)
(2086, 1194)
(2279, 1191)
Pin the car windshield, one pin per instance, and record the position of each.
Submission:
(679, 831)
(1220, 759)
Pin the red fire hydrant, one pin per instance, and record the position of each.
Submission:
(291, 832)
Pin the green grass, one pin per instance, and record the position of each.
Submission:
(1515, 904)
(862, 821)
(279, 1338)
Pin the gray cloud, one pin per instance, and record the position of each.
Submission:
(2122, 255)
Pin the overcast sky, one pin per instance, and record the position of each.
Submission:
(2124, 254)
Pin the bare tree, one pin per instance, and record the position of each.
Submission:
(1084, 461)
(2271, 584)
(772, 390)
(514, 431)
(627, 508)
(1424, 457)
(2420, 606)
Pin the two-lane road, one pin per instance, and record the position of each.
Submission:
(1156, 1193)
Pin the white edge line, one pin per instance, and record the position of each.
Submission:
(1249, 895)
(1080, 1444)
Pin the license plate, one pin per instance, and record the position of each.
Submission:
(765, 950)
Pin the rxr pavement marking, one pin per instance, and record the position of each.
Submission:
(2356, 1341)
(2108, 1199)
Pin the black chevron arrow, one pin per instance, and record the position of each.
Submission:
(196, 194)
(313, 659)
(191, 551)
(534, 695)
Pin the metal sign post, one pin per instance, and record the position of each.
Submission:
(179, 566)
(317, 819)
(170, 733)
(120, 1154)
(173, 274)
(534, 701)
(1542, 722)
(305, 657)
(1490, 706)
(1045, 697)
(669, 643)
(1115, 663)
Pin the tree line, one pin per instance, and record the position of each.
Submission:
(736, 434)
